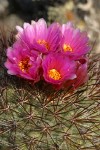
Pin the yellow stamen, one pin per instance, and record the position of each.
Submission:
(43, 42)
(54, 74)
(24, 65)
(67, 48)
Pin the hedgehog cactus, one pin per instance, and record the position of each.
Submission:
(43, 108)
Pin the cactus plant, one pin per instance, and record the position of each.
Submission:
(38, 117)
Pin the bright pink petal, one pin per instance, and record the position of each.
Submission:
(74, 42)
(62, 64)
(23, 63)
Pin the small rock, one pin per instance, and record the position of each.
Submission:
(11, 21)
(3, 7)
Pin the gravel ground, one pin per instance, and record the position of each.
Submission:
(84, 13)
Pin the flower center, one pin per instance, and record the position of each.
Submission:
(67, 48)
(54, 74)
(24, 65)
(43, 42)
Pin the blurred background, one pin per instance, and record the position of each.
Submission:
(84, 13)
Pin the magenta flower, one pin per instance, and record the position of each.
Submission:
(54, 53)
(21, 30)
(26, 35)
(39, 36)
(22, 63)
(81, 75)
(58, 68)
(74, 42)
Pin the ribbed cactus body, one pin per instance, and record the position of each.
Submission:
(37, 117)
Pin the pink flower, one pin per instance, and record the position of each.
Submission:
(40, 37)
(82, 76)
(81, 73)
(74, 42)
(58, 68)
(54, 53)
(26, 35)
(22, 63)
